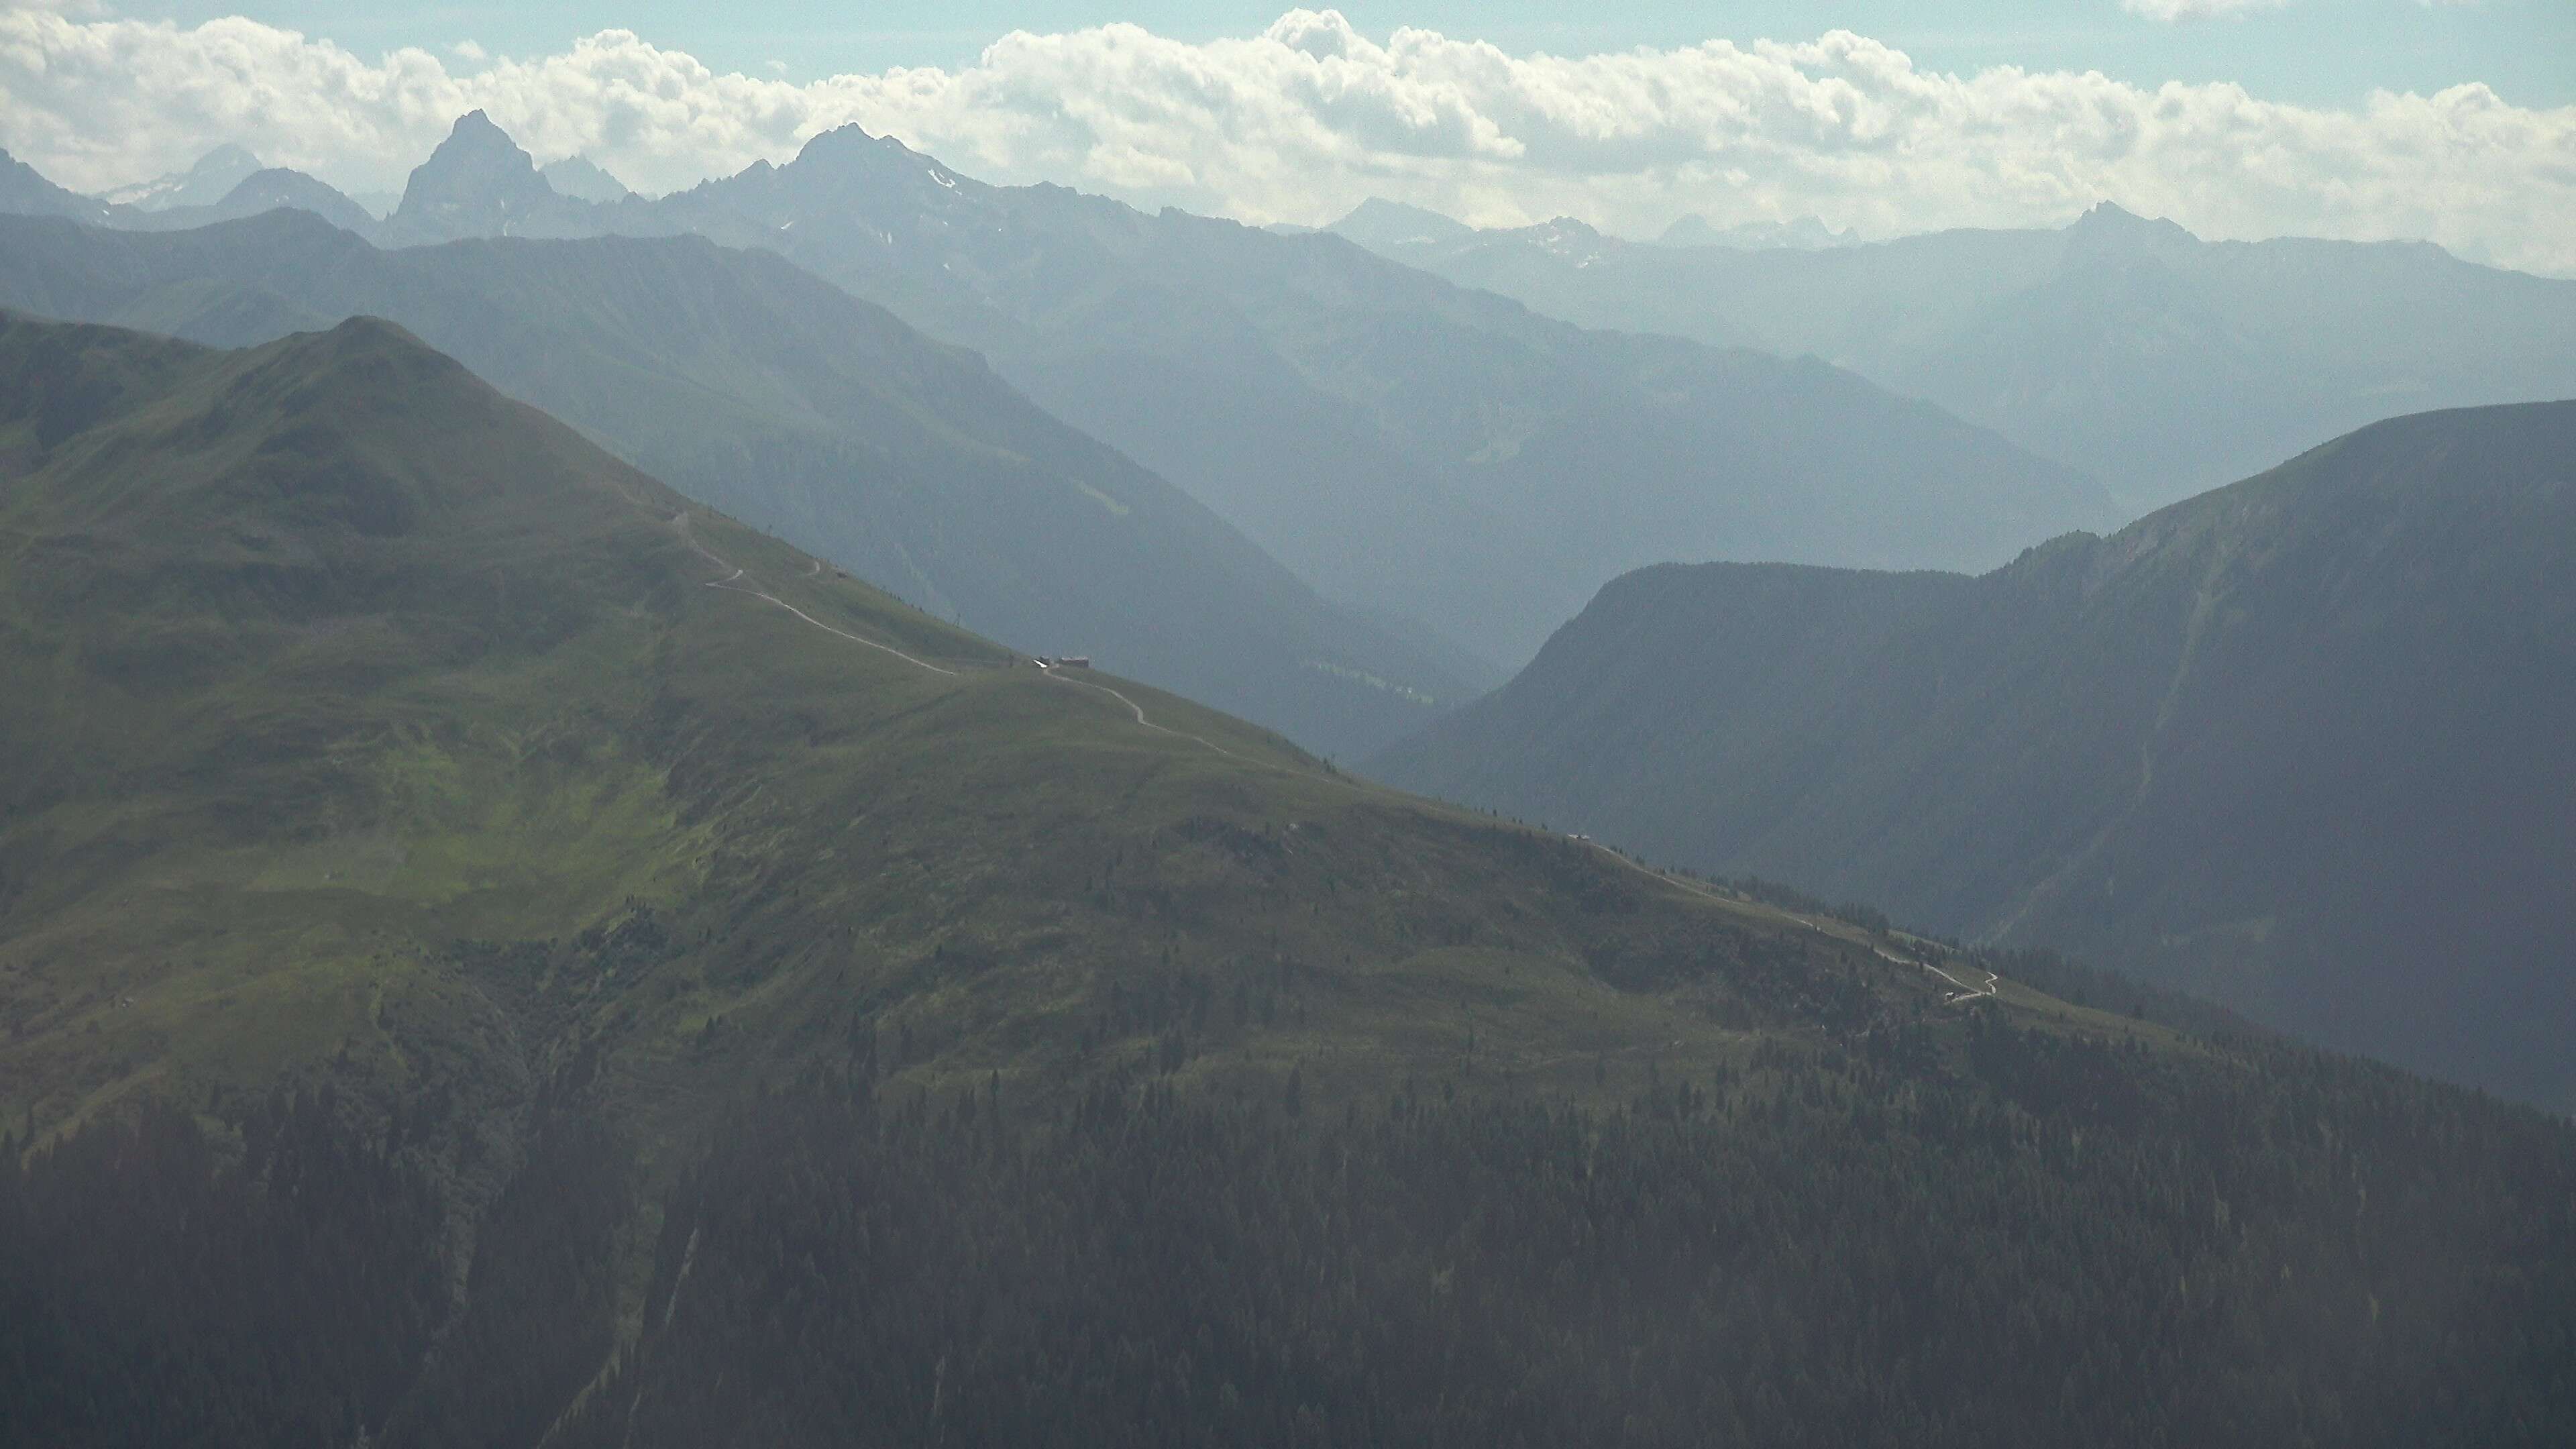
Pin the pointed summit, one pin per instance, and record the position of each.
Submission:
(848, 151)
(2112, 228)
(852, 139)
(477, 183)
(853, 174)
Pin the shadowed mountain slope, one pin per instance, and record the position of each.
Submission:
(2298, 744)
(24, 191)
(763, 391)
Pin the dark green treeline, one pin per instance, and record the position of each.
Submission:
(2066, 1242)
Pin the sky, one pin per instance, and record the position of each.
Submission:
(2453, 120)
(2316, 52)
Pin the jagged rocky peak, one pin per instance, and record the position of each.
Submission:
(847, 167)
(479, 182)
(477, 151)
(2110, 224)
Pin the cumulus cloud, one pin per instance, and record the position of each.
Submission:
(2172, 11)
(1310, 117)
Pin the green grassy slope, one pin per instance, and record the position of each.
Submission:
(2297, 744)
(767, 393)
(369, 704)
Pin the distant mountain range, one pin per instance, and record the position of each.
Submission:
(1394, 228)
(1461, 471)
(227, 185)
(212, 179)
(1422, 451)
(2159, 363)
(1403, 443)
(2300, 744)
(764, 391)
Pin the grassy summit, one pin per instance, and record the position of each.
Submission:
(375, 710)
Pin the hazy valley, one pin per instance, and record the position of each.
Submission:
(2236, 747)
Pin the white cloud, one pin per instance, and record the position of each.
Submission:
(1309, 117)
(2174, 11)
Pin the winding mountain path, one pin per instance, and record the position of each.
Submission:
(732, 583)
(1965, 991)
(729, 585)
(1056, 673)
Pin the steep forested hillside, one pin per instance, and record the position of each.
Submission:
(763, 391)
(2298, 744)
(491, 952)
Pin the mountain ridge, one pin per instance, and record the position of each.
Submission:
(1400, 443)
(2123, 345)
(767, 392)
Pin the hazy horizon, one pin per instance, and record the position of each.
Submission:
(1626, 127)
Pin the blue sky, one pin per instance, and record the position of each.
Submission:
(2453, 121)
(2312, 52)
